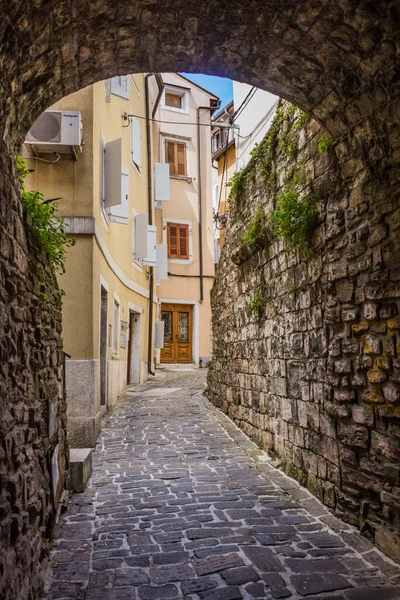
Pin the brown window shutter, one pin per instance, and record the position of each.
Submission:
(183, 241)
(181, 150)
(172, 231)
(173, 100)
(170, 155)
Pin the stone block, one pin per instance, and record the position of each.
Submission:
(81, 467)
(391, 393)
(353, 435)
(372, 344)
(370, 311)
(362, 414)
(343, 366)
(386, 446)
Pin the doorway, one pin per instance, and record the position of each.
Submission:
(178, 322)
(133, 359)
(103, 345)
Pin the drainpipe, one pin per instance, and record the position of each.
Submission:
(150, 202)
(200, 208)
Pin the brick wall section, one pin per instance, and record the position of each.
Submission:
(316, 378)
(30, 377)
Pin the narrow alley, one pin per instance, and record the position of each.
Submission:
(182, 505)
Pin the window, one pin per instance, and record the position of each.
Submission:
(178, 240)
(173, 100)
(115, 332)
(216, 141)
(176, 99)
(175, 156)
(119, 86)
(136, 143)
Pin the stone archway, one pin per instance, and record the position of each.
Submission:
(336, 60)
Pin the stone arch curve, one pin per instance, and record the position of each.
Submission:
(336, 59)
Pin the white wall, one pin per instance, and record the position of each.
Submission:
(254, 121)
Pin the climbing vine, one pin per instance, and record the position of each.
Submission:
(324, 143)
(256, 232)
(294, 221)
(255, 304)
(49, 231)
(263, 154)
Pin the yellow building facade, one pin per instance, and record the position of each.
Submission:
(185, 223)
(106, 305)
(99, 150)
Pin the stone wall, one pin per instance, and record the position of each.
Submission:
(30, 388)
(315, 377)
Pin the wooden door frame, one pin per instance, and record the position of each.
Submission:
(103, 351)
(185, 309)
(195, 324)
(133, 312)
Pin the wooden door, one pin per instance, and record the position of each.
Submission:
(177, 333)
(103, 346)
(132, 321)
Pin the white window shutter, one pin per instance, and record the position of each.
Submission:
(120, 213)
(112, 173)
(102, 169)
(161, 186)
(141, 224)
(136, 142)
(162, 262)
(159, 335)
(151, 258)
(120, 86)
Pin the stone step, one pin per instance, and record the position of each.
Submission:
(81, 467)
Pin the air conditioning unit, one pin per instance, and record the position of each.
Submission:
(56, 131)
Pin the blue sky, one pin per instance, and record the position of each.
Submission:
(223, 88)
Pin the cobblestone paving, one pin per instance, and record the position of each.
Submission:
(182, 505)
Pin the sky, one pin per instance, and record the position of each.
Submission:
(221, 87)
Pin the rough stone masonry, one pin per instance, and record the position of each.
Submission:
(315, 376)
(181, 504)
(337, 60)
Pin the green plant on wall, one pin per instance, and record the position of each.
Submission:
(294, 221)
(288, 144)
(49, 231)
(237, 183)
(256, 233)
(263, 154)
(255, 304)
(324, 143)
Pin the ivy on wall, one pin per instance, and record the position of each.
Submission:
(48, 231)
(295, 215)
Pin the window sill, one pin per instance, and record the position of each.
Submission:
(180, 261)
(182, 178)
(183, 111)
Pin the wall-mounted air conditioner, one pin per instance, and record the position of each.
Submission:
(56, 131)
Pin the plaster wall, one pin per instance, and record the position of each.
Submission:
(253, 121)
(183, 205)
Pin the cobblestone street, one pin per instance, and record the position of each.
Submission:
(182, 505)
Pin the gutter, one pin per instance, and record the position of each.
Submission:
(160, 84)
(212, 109)
(181, 275)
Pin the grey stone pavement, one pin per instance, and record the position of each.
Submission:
(181, 504)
